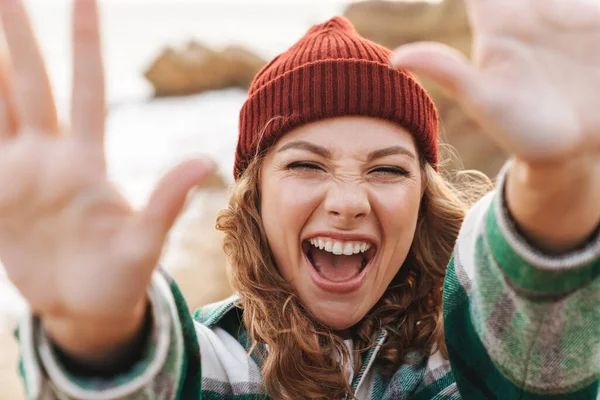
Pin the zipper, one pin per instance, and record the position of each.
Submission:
(368, 362)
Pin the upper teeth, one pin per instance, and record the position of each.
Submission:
(339, 247)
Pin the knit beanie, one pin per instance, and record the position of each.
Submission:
(331, 72)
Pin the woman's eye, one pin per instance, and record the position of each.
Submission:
(397, 171)
(304, 166)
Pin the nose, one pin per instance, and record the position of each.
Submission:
(347, 203)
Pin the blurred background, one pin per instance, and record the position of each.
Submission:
(177, 73)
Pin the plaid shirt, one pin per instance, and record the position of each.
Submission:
(519, 325)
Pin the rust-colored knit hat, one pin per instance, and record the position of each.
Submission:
(332, 71)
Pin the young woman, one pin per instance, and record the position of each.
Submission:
(352, 278)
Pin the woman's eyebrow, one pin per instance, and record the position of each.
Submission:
(390, 151)
(323, 152)
(303, 145)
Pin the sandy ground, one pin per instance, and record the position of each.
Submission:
(193, 254)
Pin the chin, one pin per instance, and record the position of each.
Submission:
(338, 316)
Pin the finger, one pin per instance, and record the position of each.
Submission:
(442, 64)
(88, 107)
(169, 196)
(33, 94)
(8, 117)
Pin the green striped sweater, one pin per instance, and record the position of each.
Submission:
(519, 325)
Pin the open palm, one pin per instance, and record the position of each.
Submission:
(70, 242)
(534, 75)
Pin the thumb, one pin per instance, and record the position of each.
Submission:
(444, 65)
(169, 196)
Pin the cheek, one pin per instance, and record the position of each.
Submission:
(286, 206)
(398, 207)
(398, 214)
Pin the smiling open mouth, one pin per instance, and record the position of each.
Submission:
(338, 261)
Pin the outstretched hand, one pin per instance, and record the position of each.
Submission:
(534, 78)
(70, 242)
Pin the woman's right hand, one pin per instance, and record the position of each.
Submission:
(70, 242)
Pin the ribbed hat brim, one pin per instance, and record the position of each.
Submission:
(332, 88)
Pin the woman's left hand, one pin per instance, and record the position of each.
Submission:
(534, 83)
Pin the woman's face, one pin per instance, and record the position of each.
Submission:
(340, 200)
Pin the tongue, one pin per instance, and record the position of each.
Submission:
(336, 268)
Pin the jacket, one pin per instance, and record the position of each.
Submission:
(519, 324)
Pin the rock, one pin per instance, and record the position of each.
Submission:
(215, 181)
(197, 68)
(394, 23)
(243, 65)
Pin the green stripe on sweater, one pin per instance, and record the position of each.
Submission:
(220, 396)
(189, 387)
(476, 375)
(525, 276)
(432, 390)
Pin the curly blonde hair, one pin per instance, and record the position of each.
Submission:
(307, 359)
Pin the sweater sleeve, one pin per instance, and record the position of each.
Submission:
(520, 323)
(165, 372)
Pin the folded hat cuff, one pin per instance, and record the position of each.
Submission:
(333, 88)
